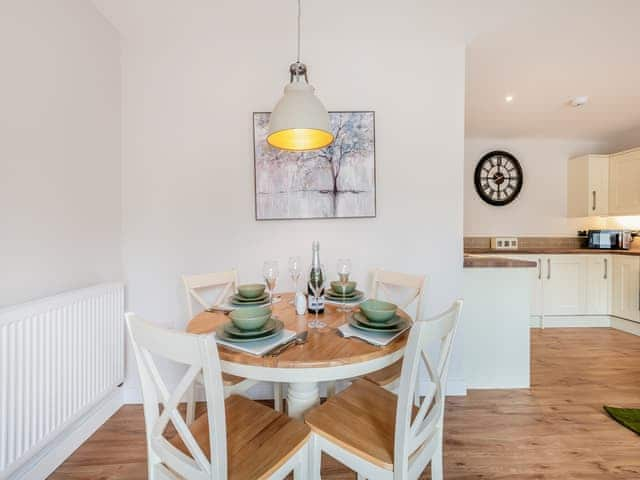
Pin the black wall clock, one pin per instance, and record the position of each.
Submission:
(498, 178)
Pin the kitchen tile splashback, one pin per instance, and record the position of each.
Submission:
(530, 242)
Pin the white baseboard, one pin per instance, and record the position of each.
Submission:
(261, 391)
(264, 391)
(588, 321)
(570, 321)
(628, 326)
(52, 456)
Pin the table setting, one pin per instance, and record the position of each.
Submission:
(376, 322)
(343, 292)
(252, 294)
(257, 331)
(253, 328)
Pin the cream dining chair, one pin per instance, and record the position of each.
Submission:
(385, 285)
(385, 436)
(236, 438)
(227, 282)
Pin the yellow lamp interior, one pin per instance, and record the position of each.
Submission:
(300, 139)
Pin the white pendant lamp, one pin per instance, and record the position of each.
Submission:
(299, 121)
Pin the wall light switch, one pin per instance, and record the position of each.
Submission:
(504, 243)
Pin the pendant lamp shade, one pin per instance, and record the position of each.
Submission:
(299, 121)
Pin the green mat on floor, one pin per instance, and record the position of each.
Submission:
(629, 417)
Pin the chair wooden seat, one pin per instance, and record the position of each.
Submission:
(387, 375)
(361, 419)
(259, 439)
(231, 380)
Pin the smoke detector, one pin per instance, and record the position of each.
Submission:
(579, 101)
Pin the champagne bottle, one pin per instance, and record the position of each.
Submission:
(315, 305)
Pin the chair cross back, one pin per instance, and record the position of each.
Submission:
(200, 354)
(193, 283)
(382, 279)
(416, 425)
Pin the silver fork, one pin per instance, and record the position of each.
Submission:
(340, 334)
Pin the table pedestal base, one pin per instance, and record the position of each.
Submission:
(301, 397)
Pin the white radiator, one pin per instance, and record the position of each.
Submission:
(59, 357)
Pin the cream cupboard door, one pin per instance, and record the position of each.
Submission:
(626, 287)
(536, 281)
(598, 194)
(624, 183)
(598, 284)
(565, 285)
(588, 186)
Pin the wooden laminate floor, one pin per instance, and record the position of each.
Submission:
(555, 430)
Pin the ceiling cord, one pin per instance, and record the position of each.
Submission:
(299, 15)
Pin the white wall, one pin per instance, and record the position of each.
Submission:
(59, 149)
(540, 209)
(193, 75)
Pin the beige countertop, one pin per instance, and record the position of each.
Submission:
(496, 262)
(549, 251)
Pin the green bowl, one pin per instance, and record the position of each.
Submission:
(251, 290)
(250, 318)
(343, 288)
(378, 310)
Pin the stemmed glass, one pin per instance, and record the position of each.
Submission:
(316, 286)
(295, 270)
(344, 270)
(270, 273)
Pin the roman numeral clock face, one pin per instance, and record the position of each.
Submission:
(498, 178)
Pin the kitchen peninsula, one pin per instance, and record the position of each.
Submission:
(496, 321)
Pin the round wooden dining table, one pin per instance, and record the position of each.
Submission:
(326, 356)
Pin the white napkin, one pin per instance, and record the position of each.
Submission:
(259, 347)
(379, 339)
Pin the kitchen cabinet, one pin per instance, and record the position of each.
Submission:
(558, 284)
(625, 297)
(567, 285)
(588, 186)
(624, 182)
(579, 290)
(564, 287)
(599, 274)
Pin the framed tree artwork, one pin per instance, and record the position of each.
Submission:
(338, 181)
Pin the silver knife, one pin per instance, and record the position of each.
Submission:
(215, 308)
(299, 338)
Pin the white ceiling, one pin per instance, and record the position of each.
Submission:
(543, 52)
(561, 49)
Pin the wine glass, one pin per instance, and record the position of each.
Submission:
(270, 273)
(295, 270)
(344, 270)
(316, 286)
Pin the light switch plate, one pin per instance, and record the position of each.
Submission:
(504, 243)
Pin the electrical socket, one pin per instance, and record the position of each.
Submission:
(504, 243)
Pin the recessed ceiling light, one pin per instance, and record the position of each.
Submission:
(508, 98)
(579, 101)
